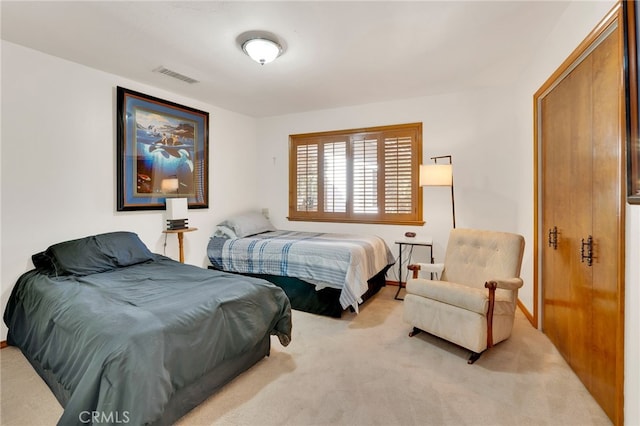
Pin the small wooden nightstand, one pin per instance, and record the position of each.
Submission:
(180, 233)
(412, 242)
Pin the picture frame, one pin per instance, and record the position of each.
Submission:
(632, 65)
(162, 152)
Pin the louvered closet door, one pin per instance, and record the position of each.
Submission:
(581, 127)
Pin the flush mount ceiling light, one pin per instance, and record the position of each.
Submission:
(261, 46)
(262, 50)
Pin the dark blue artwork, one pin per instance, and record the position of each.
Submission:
(163, 153)
(164, 150)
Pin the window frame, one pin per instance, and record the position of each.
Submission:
(381, 133)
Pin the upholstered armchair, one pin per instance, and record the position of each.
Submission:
(473, 303)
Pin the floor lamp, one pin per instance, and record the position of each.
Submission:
(439, 175)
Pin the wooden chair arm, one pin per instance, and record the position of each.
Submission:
(415, 269)
(491, 285)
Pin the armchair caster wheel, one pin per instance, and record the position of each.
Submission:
(414, 331)
(473, 357)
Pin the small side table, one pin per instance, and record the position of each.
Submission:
(410, 242)
(180, 233)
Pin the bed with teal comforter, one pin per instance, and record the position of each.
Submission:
(122, 335)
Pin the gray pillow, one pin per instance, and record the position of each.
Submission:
(98, 253)
(246, 224)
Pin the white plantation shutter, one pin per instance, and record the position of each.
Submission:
(307, 178)
(398, 191)
(361, 175)
(335, 177)
(365, 175)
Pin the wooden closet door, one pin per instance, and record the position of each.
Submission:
(566, 181)
(607, 294)
(581, 126)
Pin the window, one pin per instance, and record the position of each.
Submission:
(360, 175)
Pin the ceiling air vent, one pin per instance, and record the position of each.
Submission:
(174, 74)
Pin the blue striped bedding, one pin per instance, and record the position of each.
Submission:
(341, 261)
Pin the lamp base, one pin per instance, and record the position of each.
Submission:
(175, 224)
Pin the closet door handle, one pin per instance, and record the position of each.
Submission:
(586, 251)
(553, 237)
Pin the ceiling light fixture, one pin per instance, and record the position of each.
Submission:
(262, 50)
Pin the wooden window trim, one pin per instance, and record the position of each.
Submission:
(411, 130)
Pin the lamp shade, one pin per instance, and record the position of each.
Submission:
(177, 208)
(262, 50)
(436, 175)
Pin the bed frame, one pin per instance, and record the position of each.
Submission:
(304, 297)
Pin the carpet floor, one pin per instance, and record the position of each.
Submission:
(364, 370)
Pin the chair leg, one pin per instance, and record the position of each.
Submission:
(473, 357)
(415, 331)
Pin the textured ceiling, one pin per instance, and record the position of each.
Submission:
(337, 53)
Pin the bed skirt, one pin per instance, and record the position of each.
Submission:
(304, 297)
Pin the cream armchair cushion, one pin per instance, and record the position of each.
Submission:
(474, 302)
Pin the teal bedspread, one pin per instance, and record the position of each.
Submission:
(119, 344)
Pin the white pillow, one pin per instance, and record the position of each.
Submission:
(225, 232)
(246, 224)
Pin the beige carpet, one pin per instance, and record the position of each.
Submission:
(364, 370)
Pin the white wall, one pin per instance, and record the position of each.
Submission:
(577, 22)
(574, 26)
(632, 318)
(58, 164)
(59, 170)
(476, 128)
(490, 135)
